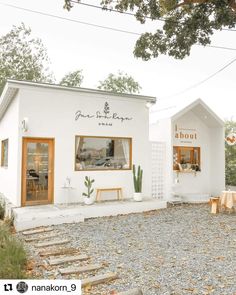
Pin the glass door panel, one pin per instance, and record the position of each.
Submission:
(37, 171)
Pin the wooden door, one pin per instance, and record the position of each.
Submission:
(37, 171)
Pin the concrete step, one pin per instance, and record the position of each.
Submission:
(58, 252)
(131, 292)
(99, 279)
(66, 259)
(51, 243)
(37, 231)
(47, 215)
(47, 237)
(81, 269)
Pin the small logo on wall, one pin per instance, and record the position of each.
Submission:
(185, 135)
(105, 117)
(231, 139)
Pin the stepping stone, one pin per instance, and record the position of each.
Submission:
(52, 243)
(131, 292)
(91, 281)
(57, 252)
(57, 261)
(40, 238)
(72, 270)
(37, 231)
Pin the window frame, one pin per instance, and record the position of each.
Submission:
(192, 149)
(105, 169)
(3, 142)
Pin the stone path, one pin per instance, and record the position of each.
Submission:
(67, 257)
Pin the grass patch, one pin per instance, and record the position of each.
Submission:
(12, 256)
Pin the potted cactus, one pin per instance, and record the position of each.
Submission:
(88, 198)
(137, 177)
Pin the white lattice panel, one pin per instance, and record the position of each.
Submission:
(158, 169)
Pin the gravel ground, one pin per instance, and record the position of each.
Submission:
(179, 250)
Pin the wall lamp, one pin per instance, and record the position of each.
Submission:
(24, 124)
(150, 104)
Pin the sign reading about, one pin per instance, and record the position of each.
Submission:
(105, 117)
(186, 135)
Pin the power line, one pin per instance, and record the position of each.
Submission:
(203, 81)
(97, 26)
(71, 20)
(133, 14)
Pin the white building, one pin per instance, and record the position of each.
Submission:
(53, 136)
(194, 161)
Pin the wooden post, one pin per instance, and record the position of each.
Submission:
(214, 205)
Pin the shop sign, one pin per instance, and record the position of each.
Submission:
(186, 135)
(105, 117)
(231, 139)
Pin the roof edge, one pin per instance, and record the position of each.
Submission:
(151, 99)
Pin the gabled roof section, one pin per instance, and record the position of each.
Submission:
(175, 109)
(202, 111)
(13, 86)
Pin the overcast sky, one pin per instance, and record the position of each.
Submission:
(98, 52)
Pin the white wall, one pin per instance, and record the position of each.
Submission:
(9, 176)
(189, 182)
(217, 160)
(51, 113)
(211, 179)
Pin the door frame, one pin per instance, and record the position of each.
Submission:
(51, 156)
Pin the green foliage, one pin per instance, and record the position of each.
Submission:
(230, 155)
(23, 57)
(120, 83)
(88, 183)
(137, 179)
(73, 79)
(2, 210)
(12, 256)
(185, 23)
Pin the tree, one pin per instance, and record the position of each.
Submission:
(230, 155)
(73, 79)
(185, 23)
(121, 83)
(23, 57)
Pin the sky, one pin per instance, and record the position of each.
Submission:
(97, 51)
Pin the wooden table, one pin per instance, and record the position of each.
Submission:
(117, 189)
(228, 199)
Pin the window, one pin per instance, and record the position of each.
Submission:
(4, 153)
(102, 153)
(186, 158)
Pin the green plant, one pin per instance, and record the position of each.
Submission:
(12, 256)
(88, 183)
(2, 210)
(9, 221)
(137, 179)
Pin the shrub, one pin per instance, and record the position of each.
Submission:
(12, 256)
(2, 210)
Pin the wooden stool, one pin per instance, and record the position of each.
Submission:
(117, 189)
(214, 205)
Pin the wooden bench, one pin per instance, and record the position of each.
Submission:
(214, 201)
(118, 190)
